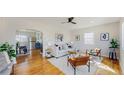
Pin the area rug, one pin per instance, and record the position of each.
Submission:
(61, 63)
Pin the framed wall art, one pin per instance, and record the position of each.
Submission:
(77, 37)
(104, 36)
(59, 37)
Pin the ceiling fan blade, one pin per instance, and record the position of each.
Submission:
(73, 22)
(70, 19)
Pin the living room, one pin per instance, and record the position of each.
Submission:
(80, 35)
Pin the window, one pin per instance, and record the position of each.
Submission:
(21, 38)
(89, 38)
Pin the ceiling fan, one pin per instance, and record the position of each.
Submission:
(70, 20)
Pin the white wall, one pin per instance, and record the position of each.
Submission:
(6, 33)
(9, 26)
(113, 30)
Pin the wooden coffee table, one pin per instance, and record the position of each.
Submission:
(78, 61)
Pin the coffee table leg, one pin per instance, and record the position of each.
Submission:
(67, 64)
(74, 70)
(89, 67)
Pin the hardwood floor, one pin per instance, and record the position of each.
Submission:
(35, 64)
(114, 64)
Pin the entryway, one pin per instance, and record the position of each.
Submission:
(28, 40)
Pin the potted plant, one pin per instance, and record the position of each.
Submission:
(114, 43)
(9, 49)
(112, 53)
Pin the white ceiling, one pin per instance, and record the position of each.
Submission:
(85, 22)
(82, 22)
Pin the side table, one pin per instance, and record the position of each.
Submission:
(112, 54)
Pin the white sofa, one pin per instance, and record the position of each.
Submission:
(5, 64)
(61, 49)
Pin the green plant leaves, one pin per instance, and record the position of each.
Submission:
(9, 49)
(114, 43)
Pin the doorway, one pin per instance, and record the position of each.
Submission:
(28, 40)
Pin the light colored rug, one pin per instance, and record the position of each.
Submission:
(61, 63)
(104, 70)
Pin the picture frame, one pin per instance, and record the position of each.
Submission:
(58, 37)
(77, 37)
(104, 36)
